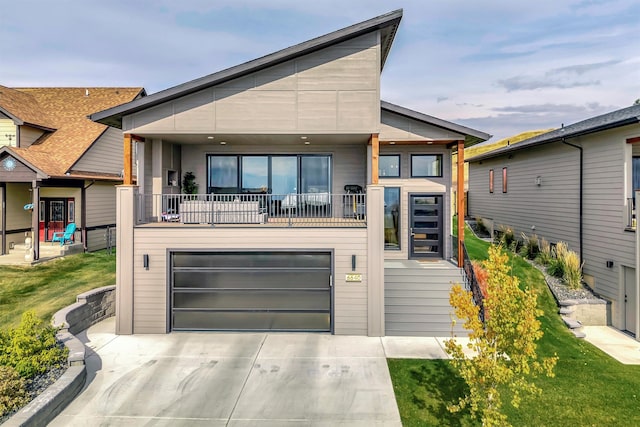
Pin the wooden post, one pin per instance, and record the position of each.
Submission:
(128, 157)
(35, 219)
(375, 153)
(460, 202)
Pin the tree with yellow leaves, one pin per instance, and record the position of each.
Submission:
(503, 348)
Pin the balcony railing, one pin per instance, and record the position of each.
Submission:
(631, 214)
(278, 210)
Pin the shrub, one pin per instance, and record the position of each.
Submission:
(506, 236)
(31, 348)
(13, 391)
(572, 273)
(481, 227)
(481, 277)
(530, 246)
(544, 256)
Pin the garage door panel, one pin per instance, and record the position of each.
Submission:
(256, 321)
(262, 300)
(210, 279)
(243, 290)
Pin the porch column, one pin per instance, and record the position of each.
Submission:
(157, 178)
(125, 214)
(3, 220)
(460, 202)
(636, 303)
(375, 261)
(35, 219)
(375, 153)
(128, 158)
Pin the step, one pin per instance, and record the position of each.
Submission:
(566, 310)
(578, 334)
(571, 323)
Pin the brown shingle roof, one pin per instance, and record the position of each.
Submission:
(67, 110)
(24, 107)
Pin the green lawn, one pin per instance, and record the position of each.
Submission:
(48, 287)
(590, 388)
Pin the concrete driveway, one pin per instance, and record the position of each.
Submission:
(229, 379)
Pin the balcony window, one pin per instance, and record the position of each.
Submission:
(426, 165)
(389, 166)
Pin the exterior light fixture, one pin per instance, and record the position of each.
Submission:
(223, 142)
(392, 143)
(210, 137)
(307, 143)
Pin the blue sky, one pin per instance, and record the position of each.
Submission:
(498, 66)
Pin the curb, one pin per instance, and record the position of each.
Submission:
(44, 408)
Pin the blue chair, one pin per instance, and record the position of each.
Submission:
(67, 236)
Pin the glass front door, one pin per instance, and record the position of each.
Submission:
(55, 214)
(425, 233)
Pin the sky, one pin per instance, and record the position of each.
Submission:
(502, 67)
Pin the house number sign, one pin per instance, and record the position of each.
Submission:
(354, 277)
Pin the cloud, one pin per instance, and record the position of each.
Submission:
(581, 69)
(516, 83)
(442, 99)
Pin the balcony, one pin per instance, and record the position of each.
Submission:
(252, 210)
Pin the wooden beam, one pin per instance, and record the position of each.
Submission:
(128, 160)
(375, 153)
(460, 201)
(633, 140)
(137, 138)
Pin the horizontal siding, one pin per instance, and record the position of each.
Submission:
(395, 127)
(339, 85)
(29, 135)
(150, 292)
(105, 155)
(101, 204)
(18, 195)
(7, 127)
(97, 239)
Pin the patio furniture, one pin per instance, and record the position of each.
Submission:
(66, 236)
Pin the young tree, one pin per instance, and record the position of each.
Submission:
(504, 346)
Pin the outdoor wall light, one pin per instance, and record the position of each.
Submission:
(145, 261)
(353, 263)
(538, 180)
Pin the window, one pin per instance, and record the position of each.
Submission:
(71, 211)
(389, 166)
(426, 165)
(392, 218)
(279, 175)
(504, 180)
(490, 180)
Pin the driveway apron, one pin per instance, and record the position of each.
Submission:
(232, 379)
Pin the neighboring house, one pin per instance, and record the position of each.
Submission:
(307, 183)
(575, 184)
(57, 166)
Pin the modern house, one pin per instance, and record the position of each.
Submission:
(312, 193)
(576, 184)
(56, 166)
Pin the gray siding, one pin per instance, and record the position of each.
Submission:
(101, 204)
(553, 207)
(151, 286)
(29, 135)
(105, 155)
(349, 160)
(334, 90)
(410, 185)
(398, 128)
(97, 239)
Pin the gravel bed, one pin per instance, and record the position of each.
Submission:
(561, 291)
(38, 384)
(481, 233)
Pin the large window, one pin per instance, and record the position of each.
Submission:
(426, 165)
(389, 166)
(278, 175)
(392, 218)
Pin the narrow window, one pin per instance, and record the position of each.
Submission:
(389, 166)
(71, 211)
(392, 218)
(490, 180)
(504, 180)
(426, 165)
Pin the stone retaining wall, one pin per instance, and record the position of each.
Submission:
(90, 308)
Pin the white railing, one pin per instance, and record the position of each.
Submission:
(631, 214)
(286, 210)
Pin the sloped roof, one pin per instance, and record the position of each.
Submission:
(614, 119)
(387, 23)
(472, 136)
(23, 108)
(67, 111)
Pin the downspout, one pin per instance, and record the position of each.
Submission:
(581, 194)
(83, 215)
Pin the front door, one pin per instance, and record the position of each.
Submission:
(630, 299)
(425, 232)
(53, 217)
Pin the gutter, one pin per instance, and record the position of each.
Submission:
(581, 210)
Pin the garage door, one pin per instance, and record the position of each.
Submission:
(251, 291)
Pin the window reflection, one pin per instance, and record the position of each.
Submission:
(392, 218)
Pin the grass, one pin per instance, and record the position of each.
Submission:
(48, 287)
(590, 387)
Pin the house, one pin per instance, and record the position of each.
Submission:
(575, 184)
(310, 191)
(57, 166)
